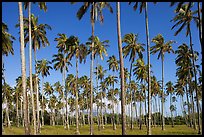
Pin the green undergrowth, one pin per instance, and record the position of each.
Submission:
(108, 130)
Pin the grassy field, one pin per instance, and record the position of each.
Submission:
(108, 130)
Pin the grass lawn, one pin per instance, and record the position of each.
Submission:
(108, 130)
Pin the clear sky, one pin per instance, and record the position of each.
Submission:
(61, 16)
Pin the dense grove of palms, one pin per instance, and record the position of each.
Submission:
(70, 102)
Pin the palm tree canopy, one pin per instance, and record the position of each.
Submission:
(43, 67)
(98, 7)
(38, 32)
(61, 62)
(160, 46)
(7, 41)
(132, 47)
(42, 5)
(184, 17)
(113, 63)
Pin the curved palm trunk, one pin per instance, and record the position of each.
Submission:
(91, 70)
(121, 71)
(23, 71)
(163, 120)
(131, 122)
(149, 132)
(140, 114)
(113, 109)
(30, 69)
(76, 91)
(197, 100)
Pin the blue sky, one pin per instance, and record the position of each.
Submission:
(61, 16)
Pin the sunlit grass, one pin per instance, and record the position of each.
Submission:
(108, 130)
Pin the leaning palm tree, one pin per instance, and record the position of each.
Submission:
(122, 86)
(162, 47)
(23, 71)
(96, 7)
(184, 18)
(132, 48)
(43, 68)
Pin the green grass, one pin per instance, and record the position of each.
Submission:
(108, 130)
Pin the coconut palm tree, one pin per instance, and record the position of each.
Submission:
(43, 68)
(133, 48)
(101, 74)
(62, 62)
(96, 10)
(42, 5)
(110, 80)
(170, 90)
(184, 18)
(77, 50)
(162, 47)
(23, 71)
(7, 43)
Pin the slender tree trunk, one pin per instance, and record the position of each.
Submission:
(189, 113)
(131, 127)
(140, 114)
(172, 121)
(195, 76)
(145, 109)
(156, 110)
(17, 113)
(88, 117)
(30, 68)
(37, 94)
(76, 90)
(149, 131)
(23, 71)
(91, 70)
(193, 112)
(7, 112)
(163, 119)
(113, 114)
(43, 109)
(102, 123)
(105, 117)
(136, 113)
(63, 99)
(123, 94)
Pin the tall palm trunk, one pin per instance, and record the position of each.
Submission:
(63, 92)
(17, 112)
(43, 109)
(98, 115)
(121, 71)
(102, 123)
(76, 91)
(113, 110)
(37, 94)
(195, 76)
(200, 26)
(7, 112)
(67, 117)
(140, 114)
(23, 71)
(149, 132)
(163, 120)
(91, 70)
(172, 121)
(131, 127)
(30, 69)
(189, 113)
